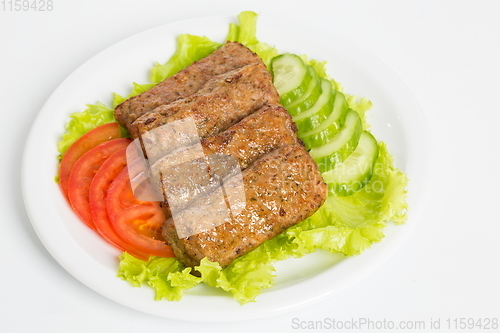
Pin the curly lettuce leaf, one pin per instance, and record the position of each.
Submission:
(345, 225)
(320, 68)
(246, 34)
(351, 224)
(360, 105)
(189, 49)
(136, 90)
(169, 278)
(82, 122)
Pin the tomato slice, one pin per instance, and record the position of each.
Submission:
(137, 222)
(88, 141)
(98, 190)
(83, 172)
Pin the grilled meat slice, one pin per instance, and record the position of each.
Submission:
(267, 129)
(260, 133)
(230, 56)
(282, 188)
(222, 102)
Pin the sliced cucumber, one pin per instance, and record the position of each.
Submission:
(313, 117)
(341, 146)
(356, 171)
(290, 76)
(330, 127)
(309, 98)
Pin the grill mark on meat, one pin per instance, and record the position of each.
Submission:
(285, 180)
(149, 121)
(228, 57)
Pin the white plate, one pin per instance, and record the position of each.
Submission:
(396, 119)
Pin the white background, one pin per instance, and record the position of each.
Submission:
(448, 54)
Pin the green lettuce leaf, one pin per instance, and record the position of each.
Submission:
(352, 224)
(167, 276)
(82, 122)
(190, 48)
(246, 34)
(136, 90)
(360, 105)
(320, 68)
(346, 225)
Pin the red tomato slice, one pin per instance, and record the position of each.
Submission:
(98, 190)
(88, 141)
(137, 222)
(83, 172)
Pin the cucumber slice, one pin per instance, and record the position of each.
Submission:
(330, 127)
(313, 117)
(341, 146)
(356, 171)
(291, 77)
(309, 98)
